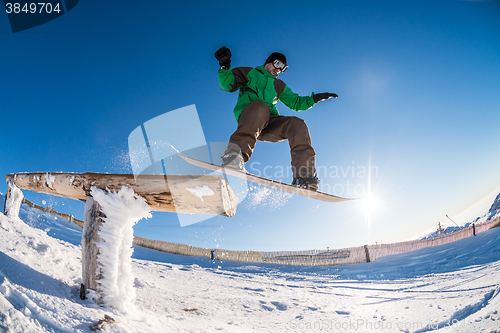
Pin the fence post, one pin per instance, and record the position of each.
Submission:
(367, 251)
(91, 271)
(213, 255)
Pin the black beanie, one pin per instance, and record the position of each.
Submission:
(281, 57)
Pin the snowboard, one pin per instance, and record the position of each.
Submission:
(263, 181)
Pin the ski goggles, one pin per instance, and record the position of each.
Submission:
(278, 64)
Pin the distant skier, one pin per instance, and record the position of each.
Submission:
(258, 118)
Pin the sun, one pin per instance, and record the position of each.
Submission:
(370, 203)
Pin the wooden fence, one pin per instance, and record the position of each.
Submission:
(68, 217)
(380, 250)
(351, 255)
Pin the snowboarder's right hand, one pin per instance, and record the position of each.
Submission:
(224, 56)
(323, 96)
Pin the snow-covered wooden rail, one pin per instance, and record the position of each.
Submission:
(170, 193)
(114, 203)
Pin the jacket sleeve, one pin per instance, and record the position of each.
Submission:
(232, 79)
(296, 102)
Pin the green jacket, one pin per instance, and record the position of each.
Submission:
(257, 84)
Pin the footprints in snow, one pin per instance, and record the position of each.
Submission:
(269, 306)
(274, 306)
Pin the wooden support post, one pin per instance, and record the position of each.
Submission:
(107, 241)
(91, 272)
(5, 202)
(13, 201)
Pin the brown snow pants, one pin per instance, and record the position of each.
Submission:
(255, 123)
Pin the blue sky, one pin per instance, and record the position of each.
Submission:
(418, 105)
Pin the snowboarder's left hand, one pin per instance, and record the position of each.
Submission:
(323, 97)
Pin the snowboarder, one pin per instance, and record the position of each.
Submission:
(258, 118)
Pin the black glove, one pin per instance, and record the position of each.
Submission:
(323, 96)
(224, 56)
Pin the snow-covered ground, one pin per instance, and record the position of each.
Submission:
(450, 288)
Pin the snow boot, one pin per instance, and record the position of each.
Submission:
(233, 160)
(310, 183)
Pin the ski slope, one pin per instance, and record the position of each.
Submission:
(450, 288)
